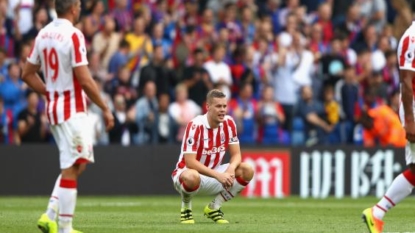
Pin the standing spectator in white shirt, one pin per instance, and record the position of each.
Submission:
(219, 71)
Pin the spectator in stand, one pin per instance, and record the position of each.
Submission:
(272, 10)
(314, 116)
(374, 12)
(219, 71)
(391, 72)
(13, 90)
(333, 63)
(243, 109)
(8, 126)
(290, 7)
(367, 39)
(124, 126)
(247, 25)
(324, 19)
(382, 127)
(22, 12)
(352, 24)
(140, 44)
(32, 124)
(95, 21)
(349, 93)
(41, 19)
(95, 67)
(146, 110)
(182, 111)
(197, 79)
(121, 85)
(165, 121)
(332, 109)
(119, 58)
(3, 65)
(122, 15)
(206, 32)
(271, 117)
(9, 34)
(159, 40)
(316, 44)
(229, 22)
(377, 83)
(105, 42)
(157, 72)
(242, 73)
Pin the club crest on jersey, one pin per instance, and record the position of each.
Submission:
(82, 50)
(190, 141)
(222, 138)
(193, 127)
(234, 139)
(409, 55)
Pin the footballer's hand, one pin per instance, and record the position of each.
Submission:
(226, 179)
(109, 119)
(410, 131)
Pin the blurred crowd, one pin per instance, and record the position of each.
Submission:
(296, 72)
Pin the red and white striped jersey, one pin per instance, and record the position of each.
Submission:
(406, 51)
(208, 144)
(58, 48)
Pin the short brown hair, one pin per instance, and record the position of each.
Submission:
(215, 93)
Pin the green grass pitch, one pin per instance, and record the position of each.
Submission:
(161, 215)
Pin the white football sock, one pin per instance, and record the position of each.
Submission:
(238, 185)
(52, 210)
(67, 202)
(399, 189)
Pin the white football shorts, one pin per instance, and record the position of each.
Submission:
(208, 185)
(74, 141)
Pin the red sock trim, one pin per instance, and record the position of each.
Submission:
(381, 208)
(242, 181)
(409, 176)
(54, 197)
(70, 184)
(81, 161)
(66, 215)
(390, 201)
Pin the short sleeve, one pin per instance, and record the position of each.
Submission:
(191, 138)
(406, 53)
(78, 51)
(233, 134)
(34, 53)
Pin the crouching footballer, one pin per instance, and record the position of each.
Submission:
(200, 169)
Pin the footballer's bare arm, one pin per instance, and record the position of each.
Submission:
(406, 77)
(32, 79)
(235, 157)
(92, 91)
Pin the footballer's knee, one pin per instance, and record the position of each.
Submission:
(245, 171)
(190, 178)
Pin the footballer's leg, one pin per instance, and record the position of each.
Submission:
(243, 174)
(189, 186)
(400, 188)
(47, 222)
(67, 193)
